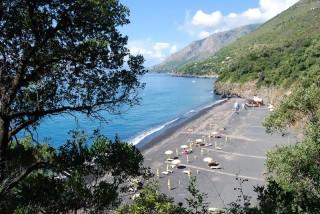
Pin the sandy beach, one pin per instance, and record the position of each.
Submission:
(240, 150)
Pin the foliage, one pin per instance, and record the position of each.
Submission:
(242, 205)
(301, 107)
(197, 201)
(73, 177)
(293, 170)
(62, 57)
(293, 176)
(150, 200)
(276, 54)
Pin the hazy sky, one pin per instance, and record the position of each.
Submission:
(159, 28)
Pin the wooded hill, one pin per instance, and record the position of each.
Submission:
(276, 54)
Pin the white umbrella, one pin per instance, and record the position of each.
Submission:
(208, 159)
(199, 140)
(214, 133)
(211, 161)
(169, 152)
(176, 162)
(184, 146)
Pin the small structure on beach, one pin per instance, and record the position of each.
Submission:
(255, 102)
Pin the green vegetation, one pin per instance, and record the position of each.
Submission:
(283, 52)
(150, 201)
(294, 170)
(276, 54)
(42, 179)
(61, 57)
(57, 57)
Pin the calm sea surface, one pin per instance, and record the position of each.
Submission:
(166, 101)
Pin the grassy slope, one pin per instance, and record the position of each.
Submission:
(277, 53)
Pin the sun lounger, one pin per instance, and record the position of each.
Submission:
(216, 167)
(165, 172)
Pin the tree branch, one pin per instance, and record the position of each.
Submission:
(24, 174)
(36, 115)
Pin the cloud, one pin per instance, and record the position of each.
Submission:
(161, 45)
(202, 19)
(173, 49)
(153, 52)
(201, 25)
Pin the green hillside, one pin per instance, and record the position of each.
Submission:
(277, 53)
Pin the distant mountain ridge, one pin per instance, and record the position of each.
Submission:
(203, 48)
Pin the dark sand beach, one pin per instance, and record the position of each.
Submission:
(240, 150)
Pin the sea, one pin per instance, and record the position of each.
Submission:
(166, 102)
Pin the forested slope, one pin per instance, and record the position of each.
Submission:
(276, 54)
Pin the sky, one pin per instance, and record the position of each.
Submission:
(159, 28)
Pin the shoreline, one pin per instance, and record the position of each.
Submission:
(241, 150)
(176, 127)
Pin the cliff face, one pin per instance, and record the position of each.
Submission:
(248, 90)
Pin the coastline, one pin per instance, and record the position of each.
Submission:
(243, 145)
(176, 127)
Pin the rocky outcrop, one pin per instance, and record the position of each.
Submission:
(248, 90)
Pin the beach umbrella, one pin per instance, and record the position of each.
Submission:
(176, 162)
(158, 174)
(211, 161)
(214, 133)
(169, 152)
(207, 159)
(169, 184)
(184, 146)
(199, 140)
(167, 167)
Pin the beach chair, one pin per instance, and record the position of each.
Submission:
(165, 172)
(216, 167)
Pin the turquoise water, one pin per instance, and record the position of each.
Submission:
(166, 101)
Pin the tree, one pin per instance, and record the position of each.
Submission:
(293, 170)
(62, 57)
(74, 177)
(150, 200)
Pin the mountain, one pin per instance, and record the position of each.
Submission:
(202, 49)
(277, 54)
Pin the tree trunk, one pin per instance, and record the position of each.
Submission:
(4, 141)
